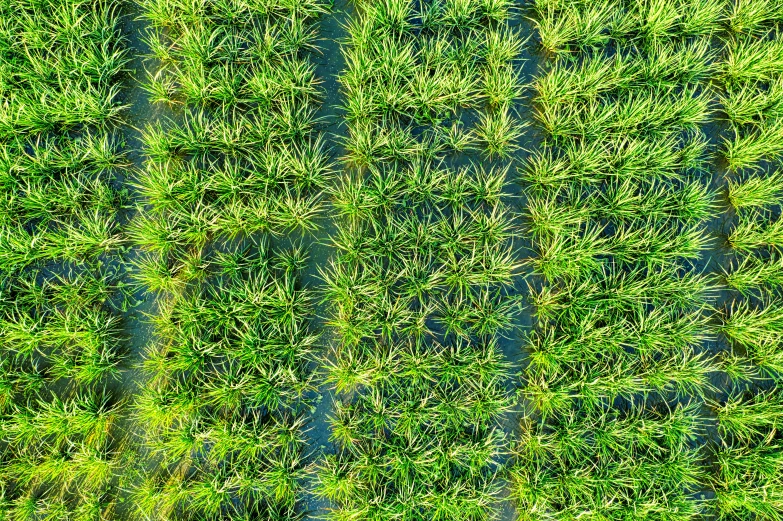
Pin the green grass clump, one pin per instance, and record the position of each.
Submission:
(227, 374)
(756, 192)
(60, 330)
(571, 27)
(396, 80)
(748, 465)
(418, 291)
(234, 164)
(660, 158)
(754, 273)
(754, 16)
(426, 416)
(757, 329)
(748, 483)
(429, 282)
(754, 232)
(595, 463)
(618, 335)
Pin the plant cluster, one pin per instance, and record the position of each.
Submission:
(412, 70)
(751, 88)
(600, 463)
(225, 376)
(60, 332)
(752, 102)
(235, 165)
(616, 205)
(238, 155)
(748, 481)
(419, 289)
(616, 210)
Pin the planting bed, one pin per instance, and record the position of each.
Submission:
(748, 473)
(617, 204)
(233, 169)
(630, 370)
(60, 342)
(391, 260)
(417, 288)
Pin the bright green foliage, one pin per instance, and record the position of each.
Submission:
(241, 157)
(417, 442)
(761, 192)
(57, 152)
(754, 16)
(60, 333)
(758, 330)
(617, 335)
(418, 290)
(236, 165)
(225, 377)
(398, 80)
(756, 232)
(573, 26)
(615, 204)
(749, 480)
(61, 345)
(601, 464)
(755, 273)
(752, 96)
(616, 207)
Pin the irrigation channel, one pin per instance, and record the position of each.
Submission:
(451, 260)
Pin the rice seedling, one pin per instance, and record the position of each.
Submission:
(666, 66)
(603, 464)
(574, 27)
(239, 165)
(756, 192)
(656, 111)
(748, 420)
(617, 202)
(754, 232)
(60, 299)
(748, 480)
(589, 163)
(747, 149)
(755, 273)
(746, 105)
(757, 330)
(751, 60)
(749, 17)
(437, 406)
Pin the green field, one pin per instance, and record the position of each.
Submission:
(449, 260)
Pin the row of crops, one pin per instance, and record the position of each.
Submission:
(233, 165)
(418, 289)
(61, 338)
(632, 370)
(552, 280)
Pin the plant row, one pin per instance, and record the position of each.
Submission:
(749, 466)
(419, 290)
(234, 171)
(619, 199)
(60, 300)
